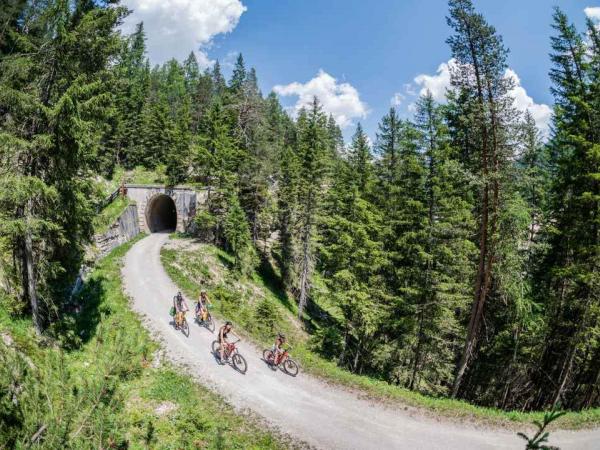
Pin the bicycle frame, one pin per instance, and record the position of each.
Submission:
(281, 358)
(230, 349)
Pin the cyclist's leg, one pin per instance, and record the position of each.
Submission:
(221, 350)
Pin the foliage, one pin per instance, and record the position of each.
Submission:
(539, 439)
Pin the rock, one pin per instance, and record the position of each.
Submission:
(165, 408)
(7, 339)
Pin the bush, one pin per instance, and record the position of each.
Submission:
(267, 317)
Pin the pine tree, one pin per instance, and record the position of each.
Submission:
(360, 160)
(312, 152)
(336, 139)
(218, 81)
(479, 81)
(132, 82)
(238, 77)
(237, 236)
(447, 254)
(386, 146)
(350, 253)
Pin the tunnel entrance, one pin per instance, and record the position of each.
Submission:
(161, 214)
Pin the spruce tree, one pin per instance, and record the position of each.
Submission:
(447, 255)
(312, 152)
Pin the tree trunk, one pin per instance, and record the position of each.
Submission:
(304, 274)
(485, 254)
(357, 356)
(564, 376)
(31, 284)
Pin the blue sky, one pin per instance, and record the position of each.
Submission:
(356, 54)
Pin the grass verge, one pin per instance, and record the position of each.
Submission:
(259, 310)
(110, 214)
(99, 384)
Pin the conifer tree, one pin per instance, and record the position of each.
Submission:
(447, 255)
(312, 151)
(571, 267)
(480, 82)
(218, 81)
(50, 128)
(238, 77)
(350, 253)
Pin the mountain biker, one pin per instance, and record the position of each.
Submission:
(202, 306)
(224, 332)
(181, 308)
(277, 347)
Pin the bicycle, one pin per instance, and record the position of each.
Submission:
(185, 328)
(207, 322)
(284, 362)
(231, 352)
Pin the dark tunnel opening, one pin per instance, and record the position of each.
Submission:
(161, 214)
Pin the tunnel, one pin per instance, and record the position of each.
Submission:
(161, 214)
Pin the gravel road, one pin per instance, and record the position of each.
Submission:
(323, 415)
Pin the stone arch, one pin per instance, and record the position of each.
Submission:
(161, 213)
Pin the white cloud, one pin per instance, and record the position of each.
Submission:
(176, 27)
(440, 82)
(409, 89)
(541, 112)
(437, 84)
(397, 99)
(342, 100)
(593, 12)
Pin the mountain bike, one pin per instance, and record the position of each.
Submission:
(184, 327)
(206, 322)
(284, 362)
(232, 355)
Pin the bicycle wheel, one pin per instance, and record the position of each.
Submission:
(216, 347)
(185, 328)
(239, 362)
(290, 367)
(209, 323)
(268, 356)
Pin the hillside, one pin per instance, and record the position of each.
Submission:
(104, 382)
(259, 309)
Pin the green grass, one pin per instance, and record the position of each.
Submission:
(256, 310)
(206, 267)
(110, 214)
(96, 387)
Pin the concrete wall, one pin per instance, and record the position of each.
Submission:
(186, 202)
(125, 228)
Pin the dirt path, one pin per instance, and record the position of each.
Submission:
(308, 409)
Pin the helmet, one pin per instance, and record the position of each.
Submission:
(228, 324)
(281, 336)
(179, 295)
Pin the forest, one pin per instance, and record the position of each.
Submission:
(461, 246)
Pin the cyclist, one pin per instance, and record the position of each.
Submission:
(181, 308)
(202, 306)
(277, 347)
(224, 332)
